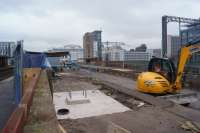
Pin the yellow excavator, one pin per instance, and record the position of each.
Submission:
(162, 77)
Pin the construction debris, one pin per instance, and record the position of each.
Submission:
(190, 126)
(114, 128)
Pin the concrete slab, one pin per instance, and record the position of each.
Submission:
(99, 104)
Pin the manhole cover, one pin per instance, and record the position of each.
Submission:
(63, 111)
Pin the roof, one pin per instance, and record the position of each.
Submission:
(56, 54)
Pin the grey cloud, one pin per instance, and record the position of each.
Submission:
(64, 21)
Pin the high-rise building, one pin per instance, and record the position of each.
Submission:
(174, 43)
(173, 46)
(191, 34)
(92, 45)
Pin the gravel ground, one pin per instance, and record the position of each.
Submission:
(144, 119)
(130, 83)
(42, 117)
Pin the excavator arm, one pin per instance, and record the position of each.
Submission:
(186, 52)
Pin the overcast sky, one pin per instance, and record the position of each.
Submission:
(44, 24)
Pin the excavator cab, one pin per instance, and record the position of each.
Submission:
(162, 77)
(164, 67)
(159, 78)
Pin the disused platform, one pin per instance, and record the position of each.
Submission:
(42, 117)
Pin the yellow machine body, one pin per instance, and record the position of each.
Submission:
(151, 82)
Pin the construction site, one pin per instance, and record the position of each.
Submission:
(104, 89)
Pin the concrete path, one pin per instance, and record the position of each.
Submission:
(123, 81)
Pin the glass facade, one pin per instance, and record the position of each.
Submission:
(130, 56)
(7, 49)
(190, 35)
(175, 48)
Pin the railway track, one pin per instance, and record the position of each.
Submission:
(6, 72)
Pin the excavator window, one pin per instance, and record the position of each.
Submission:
(164, 67)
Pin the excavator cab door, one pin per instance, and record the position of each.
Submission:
(164, 67)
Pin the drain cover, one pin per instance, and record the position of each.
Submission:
(63, 111)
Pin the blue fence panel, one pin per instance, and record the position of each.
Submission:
(34, 60)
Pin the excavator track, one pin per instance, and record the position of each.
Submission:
(186, 96)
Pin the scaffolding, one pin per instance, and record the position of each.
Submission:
(179, 20)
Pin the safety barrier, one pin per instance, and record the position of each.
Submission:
(18, 118)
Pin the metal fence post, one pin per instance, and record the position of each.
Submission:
(18, 58)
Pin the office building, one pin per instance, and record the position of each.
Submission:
(117, 53)
(7, 49)
(173, 46)
(75, 51)
(157, 53)
(92, 45)
(174, 43)
(113, 53)
(137, 56)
